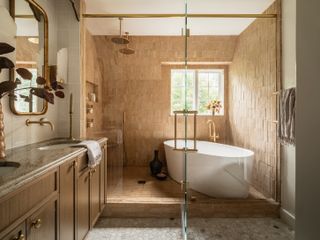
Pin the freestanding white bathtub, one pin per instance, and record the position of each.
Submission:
(217, 170)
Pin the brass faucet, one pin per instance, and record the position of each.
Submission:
(41, 122)
(213, 136)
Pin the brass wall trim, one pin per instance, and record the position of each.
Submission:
(176, 15)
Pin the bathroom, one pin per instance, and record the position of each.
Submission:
(196, 85)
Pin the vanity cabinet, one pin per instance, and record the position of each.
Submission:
(43, 223)
(95, 195)
(19, 233)
(83, 206)
(67, 199)
(62, 204)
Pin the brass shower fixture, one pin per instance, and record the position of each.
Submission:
(120, 39)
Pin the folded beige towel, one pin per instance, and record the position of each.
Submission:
(286, 130)
(94, 152)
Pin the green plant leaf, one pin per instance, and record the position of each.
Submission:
(41, 81)
(5, 48)
(6, 63)
(24, 73)
(6, 86)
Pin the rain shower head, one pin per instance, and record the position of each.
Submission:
(127, 51)
(120, 39)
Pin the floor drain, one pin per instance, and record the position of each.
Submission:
(142, 181)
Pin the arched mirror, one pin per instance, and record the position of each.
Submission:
(31, 54)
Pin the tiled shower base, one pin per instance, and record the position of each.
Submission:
(162, 199)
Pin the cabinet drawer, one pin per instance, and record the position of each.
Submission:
(27, 198)
(43, 223)
(19, 233)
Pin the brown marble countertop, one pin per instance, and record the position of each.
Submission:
(35, 162)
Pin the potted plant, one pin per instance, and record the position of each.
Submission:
(9, 87)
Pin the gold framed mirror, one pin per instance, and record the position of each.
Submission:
(31, 54)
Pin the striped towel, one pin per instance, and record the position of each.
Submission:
(286, 129)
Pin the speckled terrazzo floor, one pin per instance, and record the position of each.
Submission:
(199, 229)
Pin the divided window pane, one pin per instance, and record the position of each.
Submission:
(202, 86)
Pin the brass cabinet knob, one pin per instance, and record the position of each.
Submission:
(36, 224)
(20, 237)
(94, 170)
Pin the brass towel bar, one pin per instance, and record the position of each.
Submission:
(185, 113)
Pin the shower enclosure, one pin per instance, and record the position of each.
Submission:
(142, 68)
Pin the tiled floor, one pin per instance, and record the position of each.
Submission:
(199, 229)
(128, 190)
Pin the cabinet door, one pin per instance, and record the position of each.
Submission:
(19, 233)
(67, 201)
(103, 172)
(43, 223)
(83, 208)
(95, 194)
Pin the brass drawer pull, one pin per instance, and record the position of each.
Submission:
(20, 237)
(36, 224)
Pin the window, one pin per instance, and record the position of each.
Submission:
(202, 86)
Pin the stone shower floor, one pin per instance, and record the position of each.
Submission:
(153, 190)
(200, 229)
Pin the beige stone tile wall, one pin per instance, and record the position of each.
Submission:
(252, 105)
(93, 79)
(139, 85)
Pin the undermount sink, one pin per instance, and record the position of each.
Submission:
(60, 144)
(8, 167)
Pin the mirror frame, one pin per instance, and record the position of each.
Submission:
(46, 57)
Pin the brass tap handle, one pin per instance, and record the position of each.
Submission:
(20, 237)
(36, 224)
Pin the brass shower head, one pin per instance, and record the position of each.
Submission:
(120, 39)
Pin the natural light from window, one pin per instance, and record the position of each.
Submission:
(203, 86)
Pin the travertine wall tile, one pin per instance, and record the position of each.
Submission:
(252, 105)
(139, 85)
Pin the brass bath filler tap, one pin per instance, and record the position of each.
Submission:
(213, 136)
(41, 122)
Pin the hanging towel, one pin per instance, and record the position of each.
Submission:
(286, 131)
(94, 152)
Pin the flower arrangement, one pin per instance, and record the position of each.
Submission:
(215, 106)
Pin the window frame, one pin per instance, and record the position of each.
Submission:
(196, 101)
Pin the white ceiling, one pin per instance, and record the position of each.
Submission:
(172, 26)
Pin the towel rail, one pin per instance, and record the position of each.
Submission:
(185, 113)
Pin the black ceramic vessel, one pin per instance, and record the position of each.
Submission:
(155, 164)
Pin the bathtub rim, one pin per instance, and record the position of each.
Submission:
(249, 152)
